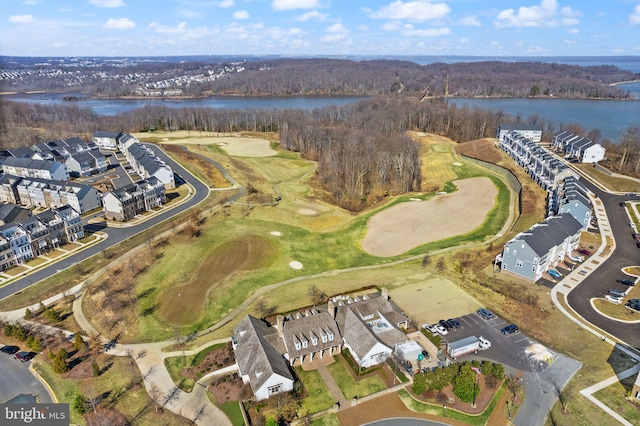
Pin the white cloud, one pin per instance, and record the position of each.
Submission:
(119, 24)
(409, 31)
(21, 19)
(31, 2)
(534, 16)
(465, 40)
(470, 21)
(363, 28)
(332, 38)
(295, 4)
(337, 28)
(107, 3)
(313, 15)
(634, 18)
(241, 14)
(226, 3)
(573, 31)
(569, 42)
(165, 29)
(414, 11)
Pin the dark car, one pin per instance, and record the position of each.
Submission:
(623, 204)
(585, 252)
(445, 324)
(485, 314)
(454, 322)
(632, 306)
(626, 282)
(9, 349)
(24, 356)
(636, 237)
(510, 329)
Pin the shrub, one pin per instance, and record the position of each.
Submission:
(59, 364)
(80, 404)
(464, 384)
(419, 384)
(95, 369)
(53, 315)
(436, 339)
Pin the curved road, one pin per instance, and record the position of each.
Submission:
(117, 235)
(604, 277)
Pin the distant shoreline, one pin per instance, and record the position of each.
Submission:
(625, 82)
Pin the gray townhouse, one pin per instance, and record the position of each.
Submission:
(533, 132)
(147, 164)
(131, 200)
(86, 163)
(44, 193)
(531, 253)
(106, 140)
(578, 148)
(546, 170)
(571, 197)
(28, 167)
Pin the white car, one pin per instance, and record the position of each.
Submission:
(614, 299)
(431, 327)
(576, 258)
(440, 329)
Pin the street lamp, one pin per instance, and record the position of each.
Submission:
(444, 410)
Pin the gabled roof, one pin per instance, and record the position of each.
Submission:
(256, 357)
(550, 233)
(314, 325)
(13, 213)
(105, 134)
(520, 126)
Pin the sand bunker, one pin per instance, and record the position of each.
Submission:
(276, 233)
(294, 264)
(236, 146)
(408, 225)
(307, 212)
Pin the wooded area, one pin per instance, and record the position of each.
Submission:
(321, 76)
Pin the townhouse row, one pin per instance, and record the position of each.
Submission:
(30, 235)
(578, 148)
(127, 202)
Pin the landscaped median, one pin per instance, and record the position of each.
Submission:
(440, 410)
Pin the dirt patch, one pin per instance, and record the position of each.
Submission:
(185, 303)
(212, 175)
(408, 225)
(230, 388)
(307, 212)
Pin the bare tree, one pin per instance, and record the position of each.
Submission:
(156, 395)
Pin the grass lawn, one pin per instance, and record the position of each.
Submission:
(616, 311)
(234, 412)
(614, 397)
(329, 420)
(318, 397)
(611, 182)
(351, 388)
(132, 403)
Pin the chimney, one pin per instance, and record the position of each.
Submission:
(332, 309)
(385, 293)
(280, 325)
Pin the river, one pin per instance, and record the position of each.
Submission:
(611, 117)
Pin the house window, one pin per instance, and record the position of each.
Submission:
(305, 344)
(315, 342)
(331, 337)
(274, 389)
(533, 269)
(519, 263)
(298, 345)
(324, 339)
(514, 252)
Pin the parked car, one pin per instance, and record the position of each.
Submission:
(24, 356)
(623, 204)
(617, 293)
(638, 244)
(440, 329)
(626, 282)
(9, 349)
(445, 324)
(630, 194)
(485, 314)
(431, 327)
(632, 306)
(555, 274)
(632, 225)
(636, 237)
(576, 258)
(510, 329)
(614, 299)
(585, 252)
(455, 323)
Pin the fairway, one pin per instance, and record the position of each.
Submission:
(407, 225)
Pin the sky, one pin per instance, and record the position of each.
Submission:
(320, 27)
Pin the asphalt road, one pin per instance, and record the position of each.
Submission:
(18, 381)
(604, 277)
(116, 235)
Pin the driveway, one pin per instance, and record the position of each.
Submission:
(18, 382)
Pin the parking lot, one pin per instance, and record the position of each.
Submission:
(509, 350)
(18, 382)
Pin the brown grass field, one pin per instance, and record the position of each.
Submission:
(404, 226)
(184, 304)
(236, 146)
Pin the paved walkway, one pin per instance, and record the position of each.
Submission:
(334, 390)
